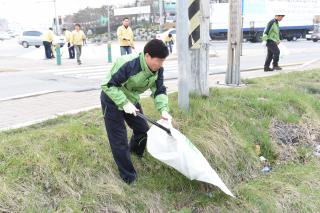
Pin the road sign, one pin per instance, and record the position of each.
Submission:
(132, 11)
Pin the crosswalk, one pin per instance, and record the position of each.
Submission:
(99, 72)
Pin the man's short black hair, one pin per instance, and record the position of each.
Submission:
(50, 28)
(125, 18)
(78, 25)
(64, 29)
(156, 49)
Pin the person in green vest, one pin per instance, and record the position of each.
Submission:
(272, 36)
(130, 76)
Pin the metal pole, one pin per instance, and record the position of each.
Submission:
(109, 33)
(57, 21)
(183, 54)
(109, 36)
(161, 15)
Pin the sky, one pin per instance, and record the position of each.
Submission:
(38, 14)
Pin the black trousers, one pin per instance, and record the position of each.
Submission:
(169, 45)
(47, 49)
(117, 134)
(273, 54)
(71, 51)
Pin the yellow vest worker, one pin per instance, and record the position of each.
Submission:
(77, 40)
(67, 35)
(48, 36)
(125, 37)
(47, 39)
(168, 38)
(77, 37)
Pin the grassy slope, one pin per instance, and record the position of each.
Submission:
(66, 164)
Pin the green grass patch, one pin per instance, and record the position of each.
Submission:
(65, 164)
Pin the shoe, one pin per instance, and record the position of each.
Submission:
(277, 68)
(268, 69)
(79, 63)
(130, 182)
(139, 156)
(133, 183)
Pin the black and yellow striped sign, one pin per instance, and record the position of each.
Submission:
(194, 20)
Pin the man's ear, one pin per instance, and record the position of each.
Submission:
(147, 55)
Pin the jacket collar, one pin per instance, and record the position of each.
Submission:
(144, 65)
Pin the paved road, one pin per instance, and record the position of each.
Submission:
(30, 74)
(33, 89)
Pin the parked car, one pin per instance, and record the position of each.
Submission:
(34, 38)
(31, 38)
(4, 36)
(162, 36)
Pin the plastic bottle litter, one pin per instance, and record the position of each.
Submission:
(317, 151)
(266, 166)
(266, 169)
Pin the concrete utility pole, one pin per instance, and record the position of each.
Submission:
(234, 42)
(183, 54)
(199, 15)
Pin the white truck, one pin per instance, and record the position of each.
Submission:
(298, 21)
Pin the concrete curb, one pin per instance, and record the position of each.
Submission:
(29, 95)
(5, 69)
(29, 123)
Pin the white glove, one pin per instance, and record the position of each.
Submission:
(166, 116)
(129, 108)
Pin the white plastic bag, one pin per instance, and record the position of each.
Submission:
(284, 51)
(178, 152)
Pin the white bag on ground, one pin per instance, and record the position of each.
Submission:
(178, 152)
(284, 51)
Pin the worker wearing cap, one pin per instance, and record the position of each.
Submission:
(272, 36)
(125, 37)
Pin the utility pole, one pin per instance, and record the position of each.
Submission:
(234, 42)
(199, 16)
(183, 54)
(161, 15)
